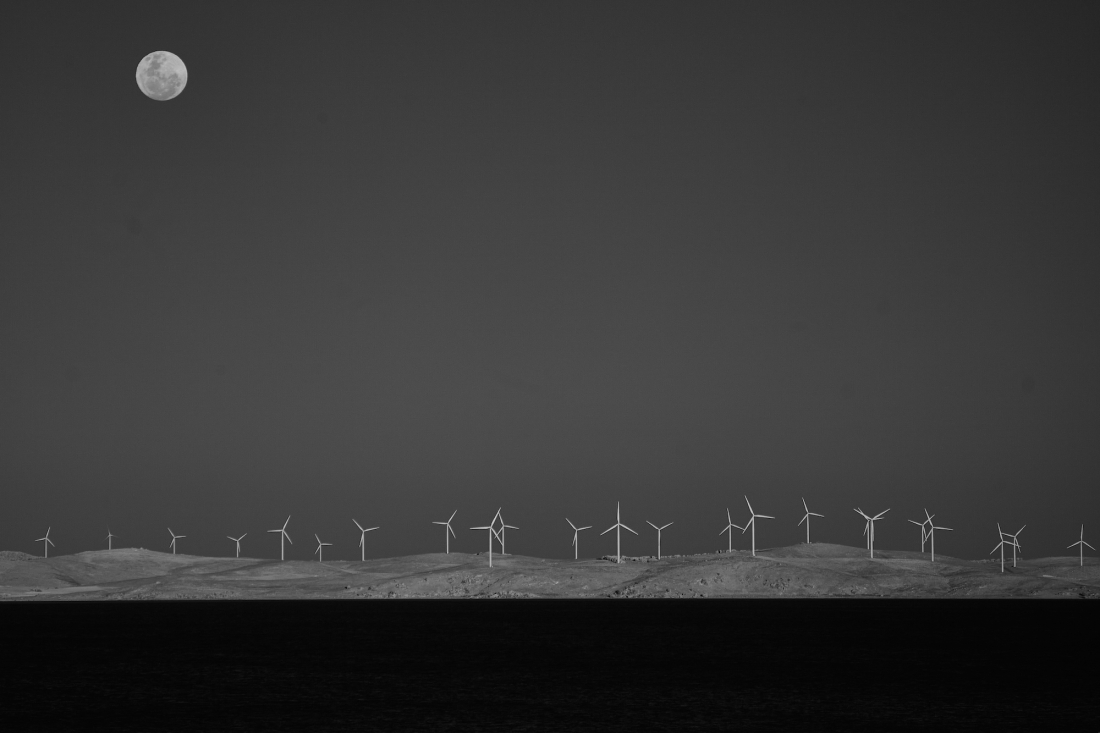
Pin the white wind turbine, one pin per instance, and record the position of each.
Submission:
(869, 529)
(174, 538)
(923, 529)
(617, 526)
(752, 523)
(806, 519)
(932, 532)
(576, 537)
(500, 532)
(1081, 544)
(238, 541)
(651, 524)
(109, 537)
(283, 536)
(44, 541)
(492, 532)
(1015, 544)
(319, 552)
(448, 533)
(730, 526)
(362, 539)
(1001, 545)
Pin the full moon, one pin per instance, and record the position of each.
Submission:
(161, 75)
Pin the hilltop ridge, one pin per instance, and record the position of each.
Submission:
(818, 570)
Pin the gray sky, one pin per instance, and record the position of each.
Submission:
(389, 261)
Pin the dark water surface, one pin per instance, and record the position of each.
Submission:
(630, 665)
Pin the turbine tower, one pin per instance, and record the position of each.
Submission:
(319, 552)
(651, 524)
(869, 528)
(752, 523)
(730, 526)
(174, 538)
(283, 536)
(46, 541)
(806, 519)
(448, 533)
(109, 537)
(238, 541)
(617, 526)
(1081, 544)
(576, 537)
(362, 539)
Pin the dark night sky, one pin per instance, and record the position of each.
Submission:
(389, 261)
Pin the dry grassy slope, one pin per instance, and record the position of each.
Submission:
(818, 570)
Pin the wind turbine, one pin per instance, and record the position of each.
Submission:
(448, 533)
(174, 538)
(1015, 544)
(576, 537)
(923, 528)
(491, 533)
(869, 529)
(283, 536)
(806, 519)
(932, 532)
(730, 526)
(238, 541)
(1001, 545)
(1082, 545)
(618, 541)
(651, 524)
(752, 523)
(362, 539)
(500, 532)
(44, 540)
(319, 552)
(109, 537)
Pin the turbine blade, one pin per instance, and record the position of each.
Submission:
(452, 516)
(357, 524)
(570, 524)
(628, 529)
(800, 521)
(651, 524)
(582, 528)
(608, 530)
